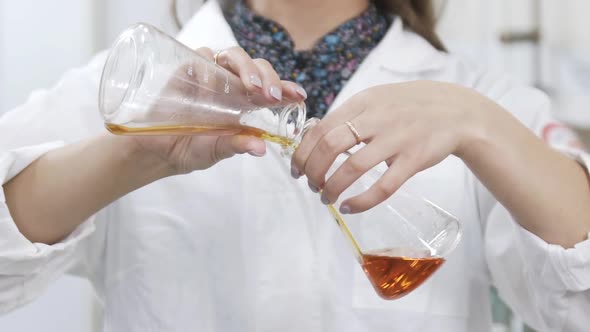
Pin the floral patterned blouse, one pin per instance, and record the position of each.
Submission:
(321, 71)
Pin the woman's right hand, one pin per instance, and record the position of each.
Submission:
(185, 154)
(110, 166)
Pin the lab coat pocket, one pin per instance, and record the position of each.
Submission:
(365, 297)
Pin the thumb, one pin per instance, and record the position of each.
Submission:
(228, 146)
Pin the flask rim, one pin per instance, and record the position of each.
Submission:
(127, 42)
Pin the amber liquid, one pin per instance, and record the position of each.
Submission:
(198, 130)
(394, 276)
(347, 233)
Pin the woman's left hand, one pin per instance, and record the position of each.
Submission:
(411, 126)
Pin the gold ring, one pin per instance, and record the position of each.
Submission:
(216, 56)
(354, 132)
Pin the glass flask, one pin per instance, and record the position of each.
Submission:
(153, 85)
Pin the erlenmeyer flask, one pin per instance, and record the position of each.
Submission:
(400, 242)
(153, 85)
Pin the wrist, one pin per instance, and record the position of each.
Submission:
(482, 119)
(142, 164)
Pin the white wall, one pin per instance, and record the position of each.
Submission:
(568, 43)
(473, 27)
(39, 40)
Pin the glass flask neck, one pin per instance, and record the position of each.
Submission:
(294, 132)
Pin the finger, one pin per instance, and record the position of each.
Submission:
(347, 112)
(353, 168)
(271, 83)
(228, 146)
(401, 170)
(293, 91)
(327, 149)
(237, 61)
(205, 52)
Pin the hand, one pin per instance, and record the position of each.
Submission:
(188, 153)
(410, 126)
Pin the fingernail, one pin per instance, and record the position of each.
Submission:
(276, 93)
(344, 209)
(295, 173)
(325, 200)
(301, 92)
(256, 154)
(255, 80)
(313, 188)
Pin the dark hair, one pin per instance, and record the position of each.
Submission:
(418, 15)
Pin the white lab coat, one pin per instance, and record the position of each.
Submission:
(243, 247)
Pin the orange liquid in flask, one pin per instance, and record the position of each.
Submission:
(395, 276)
(203, 130)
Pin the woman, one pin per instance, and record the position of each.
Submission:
(239, 247)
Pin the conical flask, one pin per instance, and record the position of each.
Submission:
(154, 85)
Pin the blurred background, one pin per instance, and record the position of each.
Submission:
(541, 42)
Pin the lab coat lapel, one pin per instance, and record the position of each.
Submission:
(401, 56)
(209, 28)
